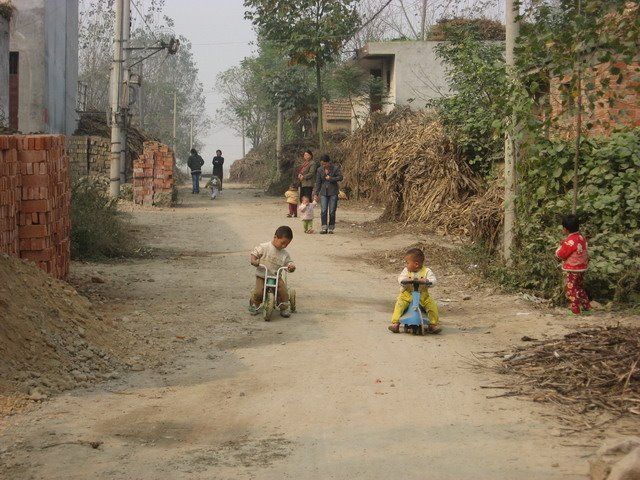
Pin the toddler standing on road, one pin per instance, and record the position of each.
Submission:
(215, 187)
(272, 255)
(573, 253)
(292, 200)
(305, 212)
(415, 268)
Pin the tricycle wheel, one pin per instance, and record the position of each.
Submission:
(292, 300)
(269, 305)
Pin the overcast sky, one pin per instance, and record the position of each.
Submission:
(221, 37)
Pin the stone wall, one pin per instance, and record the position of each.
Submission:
(35, 201)
(88, 155)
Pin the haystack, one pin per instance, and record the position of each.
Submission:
(407, 161)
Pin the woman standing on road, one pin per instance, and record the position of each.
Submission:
(326, 190)
(307, 175)
(218, 162)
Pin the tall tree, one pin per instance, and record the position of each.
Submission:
(310, 32)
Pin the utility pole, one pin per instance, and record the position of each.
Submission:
(423, 26)
(243, 140)
(175, 114)
(124, 97)
(141, 98)
(512, 30)
(116, 82)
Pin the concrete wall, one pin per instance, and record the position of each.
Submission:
(417, 74)
(4, 71)
(45, 33)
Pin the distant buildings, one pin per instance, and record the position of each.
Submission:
(41, 65)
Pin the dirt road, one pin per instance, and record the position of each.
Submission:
(326, 394)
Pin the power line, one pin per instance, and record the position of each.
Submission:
(145, 21)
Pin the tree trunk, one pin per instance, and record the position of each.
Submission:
(319, 93)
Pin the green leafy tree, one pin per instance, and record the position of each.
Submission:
(310, 32)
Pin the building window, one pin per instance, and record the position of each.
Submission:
(376, 96)
(14, 89)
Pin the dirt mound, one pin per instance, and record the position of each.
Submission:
(51, 339)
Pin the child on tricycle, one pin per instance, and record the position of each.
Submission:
(272, 260)
(415, 279)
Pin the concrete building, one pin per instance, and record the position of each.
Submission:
(43, 64)
(410, 71)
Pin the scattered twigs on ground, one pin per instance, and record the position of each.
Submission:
(588, 372)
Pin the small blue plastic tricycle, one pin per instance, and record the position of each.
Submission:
(415, 319)
(270, 293)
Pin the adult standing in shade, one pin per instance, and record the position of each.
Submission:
(218, 162)
(326, 190)
(307, 175)
(195, 163)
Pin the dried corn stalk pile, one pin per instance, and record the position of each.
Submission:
(591, 370)
(407, 161)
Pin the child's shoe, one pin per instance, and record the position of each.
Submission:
(288, 215)
(434, 329)
(253, 310)
(394, 327)
(286, 313)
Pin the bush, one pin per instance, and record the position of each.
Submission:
(608, 206)
(98, 229)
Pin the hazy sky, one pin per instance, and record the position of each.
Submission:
(221, 38)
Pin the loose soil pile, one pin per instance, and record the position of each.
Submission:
(51, 339)
(406, 161)
(588, 372)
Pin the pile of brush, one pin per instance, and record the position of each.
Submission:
(407, 161)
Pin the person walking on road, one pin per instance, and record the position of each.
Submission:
(307, 175)
(326, 190)
(218, 162)
(195, 163)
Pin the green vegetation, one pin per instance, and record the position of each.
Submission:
(98, 229)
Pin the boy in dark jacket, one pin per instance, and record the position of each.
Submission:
(195, 163)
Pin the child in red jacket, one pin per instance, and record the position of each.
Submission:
(573, 253)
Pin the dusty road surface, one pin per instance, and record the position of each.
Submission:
(326, 394)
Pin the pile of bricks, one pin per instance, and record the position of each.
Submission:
(44, 200)
(153, 175)
(10, 194)
(88, 155)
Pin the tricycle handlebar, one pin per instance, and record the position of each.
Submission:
(416, 281)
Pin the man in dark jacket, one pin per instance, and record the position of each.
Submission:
(195, 163)
(326, 190)
(218, 162)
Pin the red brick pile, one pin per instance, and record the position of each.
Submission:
(153, 175)
(43, 205)
(10, 193)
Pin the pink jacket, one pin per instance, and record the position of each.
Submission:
(573, 253)
(305, 212)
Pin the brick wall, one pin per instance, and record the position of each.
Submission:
(88, 155)
(153, 175)
(620, 105)
(40, 197)
(10, 195)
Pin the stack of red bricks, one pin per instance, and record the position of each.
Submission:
(10, 194)
(43, 206)
(153, 175)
